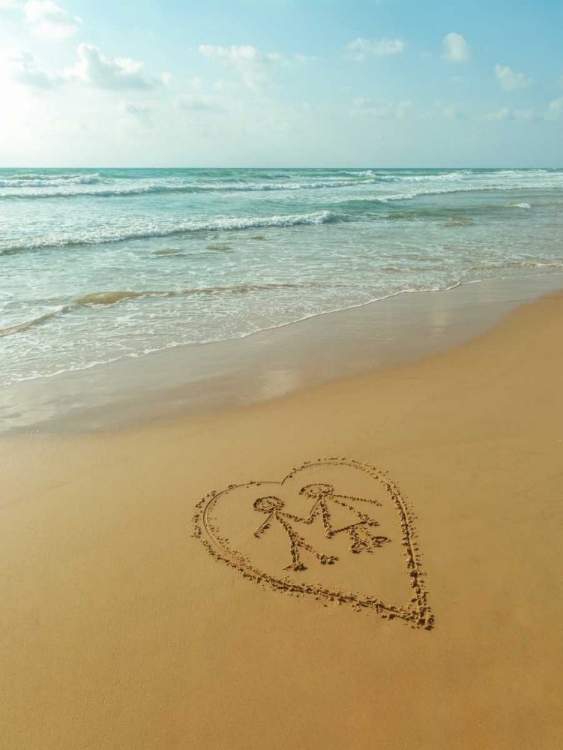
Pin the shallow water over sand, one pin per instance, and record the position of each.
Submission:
(100, 265)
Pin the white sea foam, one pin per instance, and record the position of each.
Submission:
(446, 177)
(408, 195)
(154, 230)
(54, 189)
(204, 255)
(45, 182)
(36, 186)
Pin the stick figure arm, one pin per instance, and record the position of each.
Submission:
(308, 519)
(364, 517)
(264, 527)
(359, 499)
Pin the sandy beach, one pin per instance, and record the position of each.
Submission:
(120, 630)
(281, 375)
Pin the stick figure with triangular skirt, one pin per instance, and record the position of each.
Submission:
(359, 531)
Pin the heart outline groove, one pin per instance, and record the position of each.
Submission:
(416, 613)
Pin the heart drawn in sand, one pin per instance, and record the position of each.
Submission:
(334, 529)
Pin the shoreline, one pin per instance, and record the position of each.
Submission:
(121, 629)
(266, 364)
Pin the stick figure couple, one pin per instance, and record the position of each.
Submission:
(325, 503)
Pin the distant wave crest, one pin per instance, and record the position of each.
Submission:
(154, 188)
(182, 228)
(408, 183)
(45, 181)
(413, 194)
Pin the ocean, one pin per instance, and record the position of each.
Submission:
(101, 264)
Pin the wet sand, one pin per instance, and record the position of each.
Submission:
(119, 629)
(190, 380)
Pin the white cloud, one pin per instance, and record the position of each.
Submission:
(25, 70)
(306, 107)
(139, 112)
(511, 81)
(525, 114)
(555, 109)
(195, 83)
(252, 65)
(48, 20)
(198, 103)
(361, 48)
(223, 85)
(383, 110)
(451, 112)
(94, 69)
(504, 113)
(456, 49)
(500, 114)
(301, 58)
(8, 4)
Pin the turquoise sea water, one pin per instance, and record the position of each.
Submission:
(96, 265)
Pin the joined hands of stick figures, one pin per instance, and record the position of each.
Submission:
(273, 507)
(323, 497)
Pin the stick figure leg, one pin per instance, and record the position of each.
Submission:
(362, 539)
(298, 544)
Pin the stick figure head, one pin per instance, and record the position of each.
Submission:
(268, 504)
(317, 491)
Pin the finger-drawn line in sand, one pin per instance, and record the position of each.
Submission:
(273, 507)
(321, 494)
(324, 505)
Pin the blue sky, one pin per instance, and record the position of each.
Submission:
(281, 83)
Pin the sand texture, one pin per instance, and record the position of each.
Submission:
(372, 563)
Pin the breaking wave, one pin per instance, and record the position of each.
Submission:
(219, 224)
(46, 181)
(119, 191)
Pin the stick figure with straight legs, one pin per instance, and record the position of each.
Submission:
(273, 507)
(360, 531)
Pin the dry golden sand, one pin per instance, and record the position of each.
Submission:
(119, 631)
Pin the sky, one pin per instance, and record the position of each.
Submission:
(266, 83)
